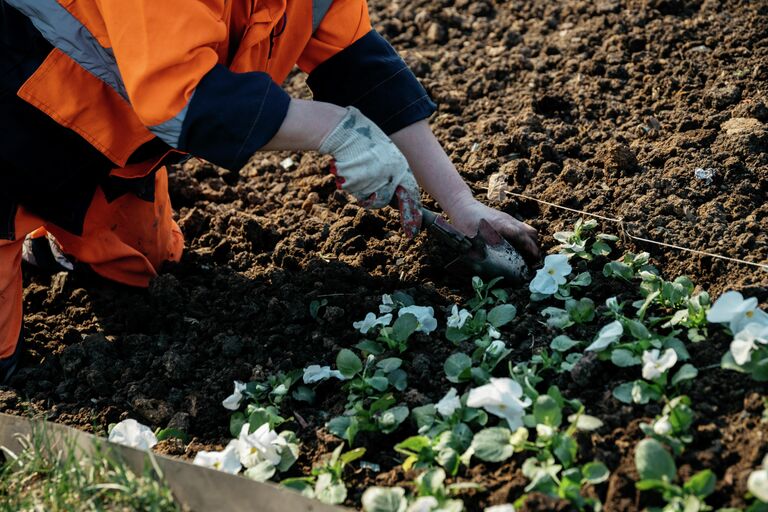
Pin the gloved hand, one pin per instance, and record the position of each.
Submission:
(370, 167)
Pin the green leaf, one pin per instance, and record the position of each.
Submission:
(653, 461)
(624, 358)
(502, 315)
(702, 484)
(413, 445)
(402, 298)
(378, 382)
(344, 427)
(565, 449)
(623, 392)
(389, 364)
(384, 499)
(547, 411)
(174, 433)
(585, 422)
(583, 279)
(424, 416)
(261, 472)
(457, 366)
(430, 483)
(370, 347)
(638, 330)
(557, 318)
(455, 335)
(348, 363)
(600, 248)
(595, 472)
(236, 422)
(302, 485)
(398, 379)
(563, 343)
(352, 455)
(618, 269)
(389, 420)
(581, 311)
(328, 491)
(686, 372)
(304, 394)
(404, 326)
(493, 444)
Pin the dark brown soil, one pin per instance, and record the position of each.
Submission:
(603, 106)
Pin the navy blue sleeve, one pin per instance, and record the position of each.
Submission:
(371, 76)
(231, 116)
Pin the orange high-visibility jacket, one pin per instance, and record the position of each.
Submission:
(203, 75)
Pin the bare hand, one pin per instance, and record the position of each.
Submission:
(467, 215)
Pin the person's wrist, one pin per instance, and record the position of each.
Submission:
(331, 116)
(457, 201)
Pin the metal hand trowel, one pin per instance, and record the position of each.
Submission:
(487, 253)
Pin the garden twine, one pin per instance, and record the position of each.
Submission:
(625, 232)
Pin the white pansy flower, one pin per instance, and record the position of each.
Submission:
(662, 426)
(500, 508)
(387, 304)
(493, 333)
(458, 317)
(227, 460)
(425, 316)
(133, 434)
(757, 483)
(449, 403)
(607, 336)
(424, 504)
(495, 349)
(262, 445)
(316, 373)
(548, 279)
(232, 402)
(503, 398)
(371, 321)
(731, 308)
(746, 341)
(655, 365)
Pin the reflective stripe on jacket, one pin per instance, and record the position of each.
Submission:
(201, 75)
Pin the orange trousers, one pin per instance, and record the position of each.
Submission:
(124, 241)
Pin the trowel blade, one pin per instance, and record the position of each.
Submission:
(493, 256)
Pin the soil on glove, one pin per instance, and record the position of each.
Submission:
(606, 106)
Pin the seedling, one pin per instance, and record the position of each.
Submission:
(658, 472)
(326, 482)
(582, 243)
(370, 403)
(431, 493)
(673, 426)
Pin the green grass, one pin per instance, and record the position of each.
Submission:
(53, 476)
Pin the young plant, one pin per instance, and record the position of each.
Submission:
(656, 381)
(553, 469)
(459, 367)
(431, 495)
(370, 402)
(445, 432)
(410, 319)
(326, 482)
(630, 267)
(582, 243)
(658, 472)
(673, 427)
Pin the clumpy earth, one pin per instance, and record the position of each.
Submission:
(607, 107)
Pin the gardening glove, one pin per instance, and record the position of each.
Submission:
(369, 166)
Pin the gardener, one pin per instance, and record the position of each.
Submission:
(98, 96)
